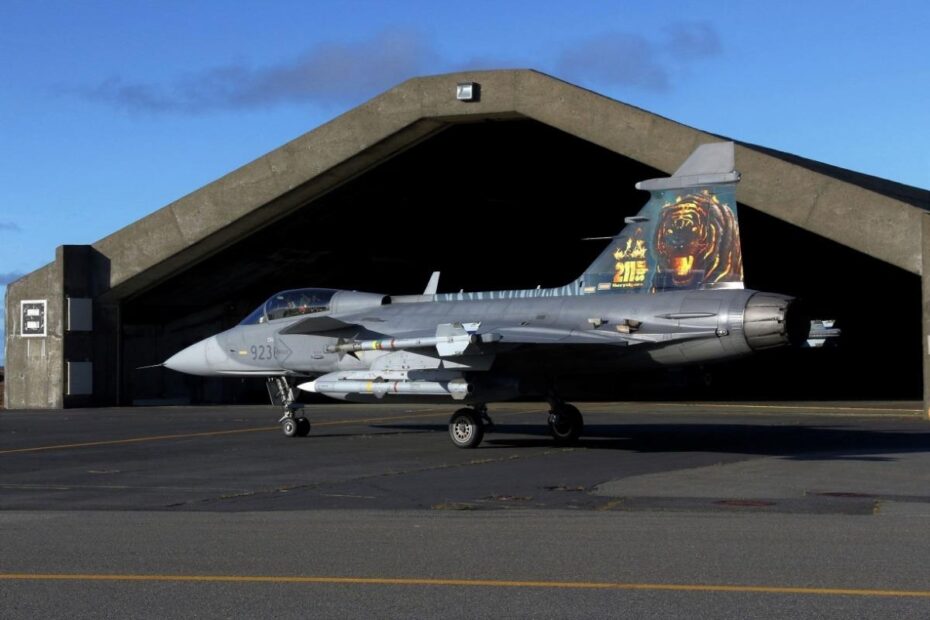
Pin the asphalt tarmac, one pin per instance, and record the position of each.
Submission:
(696, 510)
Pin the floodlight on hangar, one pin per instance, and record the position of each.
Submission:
(467, 91)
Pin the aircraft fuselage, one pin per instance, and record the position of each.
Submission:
(606, 333)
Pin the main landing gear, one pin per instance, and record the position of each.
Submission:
(293, 423)
(467, 426)
(565, 422)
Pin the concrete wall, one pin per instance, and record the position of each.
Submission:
(35, 366)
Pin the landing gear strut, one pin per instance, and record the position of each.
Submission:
(293, 423)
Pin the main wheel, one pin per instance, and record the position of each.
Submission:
(566, 424)
(289, 427)
(466, 428)
(303, 427)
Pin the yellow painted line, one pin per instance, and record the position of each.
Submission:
(113, 442)
(484, 583)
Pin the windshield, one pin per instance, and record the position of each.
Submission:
(291, 303)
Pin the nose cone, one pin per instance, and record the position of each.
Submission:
(201, 358)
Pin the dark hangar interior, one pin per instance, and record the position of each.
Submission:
(500, 204)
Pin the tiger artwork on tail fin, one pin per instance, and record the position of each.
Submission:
(696, 243)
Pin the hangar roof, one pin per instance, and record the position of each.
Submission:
(872, 215)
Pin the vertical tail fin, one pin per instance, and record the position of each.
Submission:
(685, 237)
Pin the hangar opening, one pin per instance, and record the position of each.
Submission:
(507, 204)
(492, 205)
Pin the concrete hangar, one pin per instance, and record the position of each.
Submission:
(496, 191)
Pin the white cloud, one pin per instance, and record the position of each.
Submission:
(347, 72)
(329, 73)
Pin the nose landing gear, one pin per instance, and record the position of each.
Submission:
(295, 427)
(293, 422)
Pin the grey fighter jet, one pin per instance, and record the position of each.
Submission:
(667, 291)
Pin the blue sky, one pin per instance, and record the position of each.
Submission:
(110, 110)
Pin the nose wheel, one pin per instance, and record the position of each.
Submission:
(295, 427)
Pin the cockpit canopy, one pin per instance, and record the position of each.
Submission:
(291, 303)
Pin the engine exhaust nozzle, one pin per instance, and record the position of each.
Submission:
(773, 320)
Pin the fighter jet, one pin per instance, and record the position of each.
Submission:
(667, 291)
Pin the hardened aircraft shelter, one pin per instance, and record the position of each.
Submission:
(493, 178)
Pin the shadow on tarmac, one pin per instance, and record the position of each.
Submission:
(797, 442)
